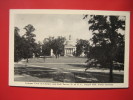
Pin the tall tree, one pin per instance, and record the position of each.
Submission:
(107, 41)
(17, 45)
(82, 46)
(29, 41)
(47, 45)
(38, 49)
(57, 44)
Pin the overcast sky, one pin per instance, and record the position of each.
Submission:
(54, 25)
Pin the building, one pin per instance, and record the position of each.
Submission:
(69, 47)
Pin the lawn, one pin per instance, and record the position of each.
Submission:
(64, 69)
(58, 60)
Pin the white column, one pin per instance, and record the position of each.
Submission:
(72, 50)
(65, 51)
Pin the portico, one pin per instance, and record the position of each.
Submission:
(69, 48)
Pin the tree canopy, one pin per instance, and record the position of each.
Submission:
(107, 41)
(82, 46)
(25, 45)
(30, 41)
(57, 44)
(18, 44)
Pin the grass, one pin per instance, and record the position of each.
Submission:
(58, 60)
(68, 70)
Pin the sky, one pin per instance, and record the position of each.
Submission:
(54, 25)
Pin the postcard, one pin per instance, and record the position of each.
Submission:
(69, 48)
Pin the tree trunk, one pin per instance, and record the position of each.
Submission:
(27, 60)
(111, 72)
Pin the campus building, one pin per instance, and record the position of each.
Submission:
(69, 47)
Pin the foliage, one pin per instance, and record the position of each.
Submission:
(37, 49)
(25, 45)
(29, 41)
(82, 46)
(17, 46)
(107, 42)
(57, 44)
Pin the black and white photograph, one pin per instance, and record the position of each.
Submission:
(69, 48)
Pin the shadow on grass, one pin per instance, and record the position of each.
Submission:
(96, 77)
(34, 71)
(43, 73)
(77, 65)
(67, 77)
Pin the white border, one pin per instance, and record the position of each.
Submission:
(68, 85)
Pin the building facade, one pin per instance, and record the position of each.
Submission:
(69, 48)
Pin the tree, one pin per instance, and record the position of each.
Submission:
(57, 44)
(47, 45)
(82, 46)
(29, 41)
(17, 45)
(38, 49)
(108, 43)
